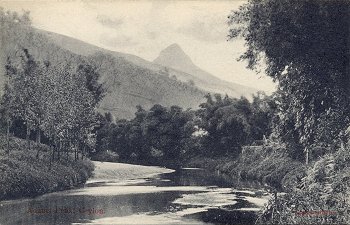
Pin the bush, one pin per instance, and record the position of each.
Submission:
(267, 164)
(106, 156)
(23, 175)
(324, 189)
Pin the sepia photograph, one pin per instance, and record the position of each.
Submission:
(174, 112)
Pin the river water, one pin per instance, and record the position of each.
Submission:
(185, 196)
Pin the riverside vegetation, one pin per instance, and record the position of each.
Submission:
(295, 140)
(23, 174)
(47, 118)
(305, 122)
(306, 51)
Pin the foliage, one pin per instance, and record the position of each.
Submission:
(169, 135)
(152, 136)
(57, 100)
(306, 51)
(106, 156)
(266, 164)
(232, 123)
(23, 175)
(51, 98)
(323, 191)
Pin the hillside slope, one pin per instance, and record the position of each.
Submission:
(127, 84)
(178, 65)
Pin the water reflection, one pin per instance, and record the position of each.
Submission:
(182, 197)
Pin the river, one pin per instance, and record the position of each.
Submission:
(131, 194)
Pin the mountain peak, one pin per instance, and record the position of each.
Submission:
(173, 56)
(173, 47)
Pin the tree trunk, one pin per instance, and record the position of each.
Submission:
(76, 152)
(52, 156)
(68, 149)
(38, 137)
(37, 152)
(54, 149)
(275, 209)
(8, 136)
(82, 152)
(38, 141)
(27, 137)
(59, 149)
(307, 156)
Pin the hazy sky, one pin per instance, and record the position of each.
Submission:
(144, 28)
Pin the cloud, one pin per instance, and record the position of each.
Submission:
(144, 28)
(117, 40)
(109, 22)
(206, 29)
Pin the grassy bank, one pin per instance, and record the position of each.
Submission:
(314, 194)
(22, 174)
(267, 164)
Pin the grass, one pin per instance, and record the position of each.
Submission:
(266, 164)
(24, 175)
(322, 198)
(315, 194)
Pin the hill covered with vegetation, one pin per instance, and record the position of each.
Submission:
(127, 84)
(172, 62)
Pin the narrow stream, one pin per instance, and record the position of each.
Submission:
(186, 196)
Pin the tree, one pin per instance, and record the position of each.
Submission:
(263, 109)
(20, 98)
(165, 72)
(34, 87)
(226, 122)
(92, 81)
(157, 136)
(305, 45)
(191, 83)
(8, 105)
(56, 99)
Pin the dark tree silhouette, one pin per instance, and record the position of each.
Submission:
(306, 46)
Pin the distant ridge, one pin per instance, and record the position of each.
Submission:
(127, 83)
(178, 63)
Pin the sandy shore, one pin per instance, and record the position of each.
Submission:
(121, 171)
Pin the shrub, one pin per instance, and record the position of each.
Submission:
(23, 175)
(106, 156)
(324, 189)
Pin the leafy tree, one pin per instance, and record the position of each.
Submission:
(102, 131)
(55, 99)
(8, 105)
(263, 110)
(191, 83)
(21, 87)
(306, 51)
(92, 81)
(226, 122)
(157, 136)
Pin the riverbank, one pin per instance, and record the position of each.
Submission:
(132, 194)
(122, 171)
(266, 164)
(22, 174)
